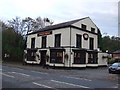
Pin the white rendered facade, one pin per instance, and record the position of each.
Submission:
(66, 45)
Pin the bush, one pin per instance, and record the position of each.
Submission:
(111, 61)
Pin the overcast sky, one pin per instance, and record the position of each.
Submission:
(104, 13)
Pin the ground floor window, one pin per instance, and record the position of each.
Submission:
(79, 57)
(92, 58)
(31, 54)
(56, 56)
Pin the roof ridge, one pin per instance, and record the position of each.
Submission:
(75, 20)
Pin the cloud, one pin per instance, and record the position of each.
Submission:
(102, 12)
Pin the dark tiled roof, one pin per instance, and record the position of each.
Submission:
(56, 26)
(118, 51)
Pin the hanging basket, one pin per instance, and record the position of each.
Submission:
(66, 56)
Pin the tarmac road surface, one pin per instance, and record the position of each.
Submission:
(13, 77)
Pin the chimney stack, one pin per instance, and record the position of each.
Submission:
(47, 22)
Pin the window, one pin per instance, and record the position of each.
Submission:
(56, 57)
(92, 58)
(44, 42)
(83, 26)
(57, 40)
(115, 65)
(79, 57)
(32, 42)
(31, 55)
(91, 43)
(78, 41)
(93, 30)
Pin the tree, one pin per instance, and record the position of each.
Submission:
(15, 24)
(33, 24)
(12, 44)
(99, 39)
(28, 24)
(110, 43)
(39, 23)
(24, 26)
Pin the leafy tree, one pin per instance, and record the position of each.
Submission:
(12, 44)
(99, 39)
(110, 43)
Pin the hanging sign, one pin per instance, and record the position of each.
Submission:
(85, 36)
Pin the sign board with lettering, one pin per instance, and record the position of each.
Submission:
(44, 33)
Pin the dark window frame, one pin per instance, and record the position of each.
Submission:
(31, 55)
(56, 56)
(91, 43)
(92, 58)
(83, 26)
(33, 42)
(79, 57)
(57, 40)
(44, 42)
(92, 29)
(78, 40)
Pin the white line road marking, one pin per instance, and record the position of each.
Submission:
(78, 78)
(8, 75)
(70, 84)
(20, 74)
(87, 79)
(39, 72)
(19, 68)
(41, 85)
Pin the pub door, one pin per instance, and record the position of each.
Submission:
(43, 58)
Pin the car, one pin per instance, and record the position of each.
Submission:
(114, 68)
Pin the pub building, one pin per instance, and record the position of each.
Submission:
(69, 44)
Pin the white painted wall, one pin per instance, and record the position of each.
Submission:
(50, 40)
(29, 40)
(85, 43)
(65, 38)
(102, 61)
(65, 41)
(87, 22)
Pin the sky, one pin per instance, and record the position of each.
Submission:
(104, 13)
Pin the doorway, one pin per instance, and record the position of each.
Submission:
(43, 57)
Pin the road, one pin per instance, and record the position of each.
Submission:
(13, 77)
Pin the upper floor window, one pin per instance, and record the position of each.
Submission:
(57, 40)
(83, 26)
(92, 29)
(91, 43)
(44, 41)
(32, 42)
(78, 41)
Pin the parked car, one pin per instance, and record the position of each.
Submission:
(114, 68)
